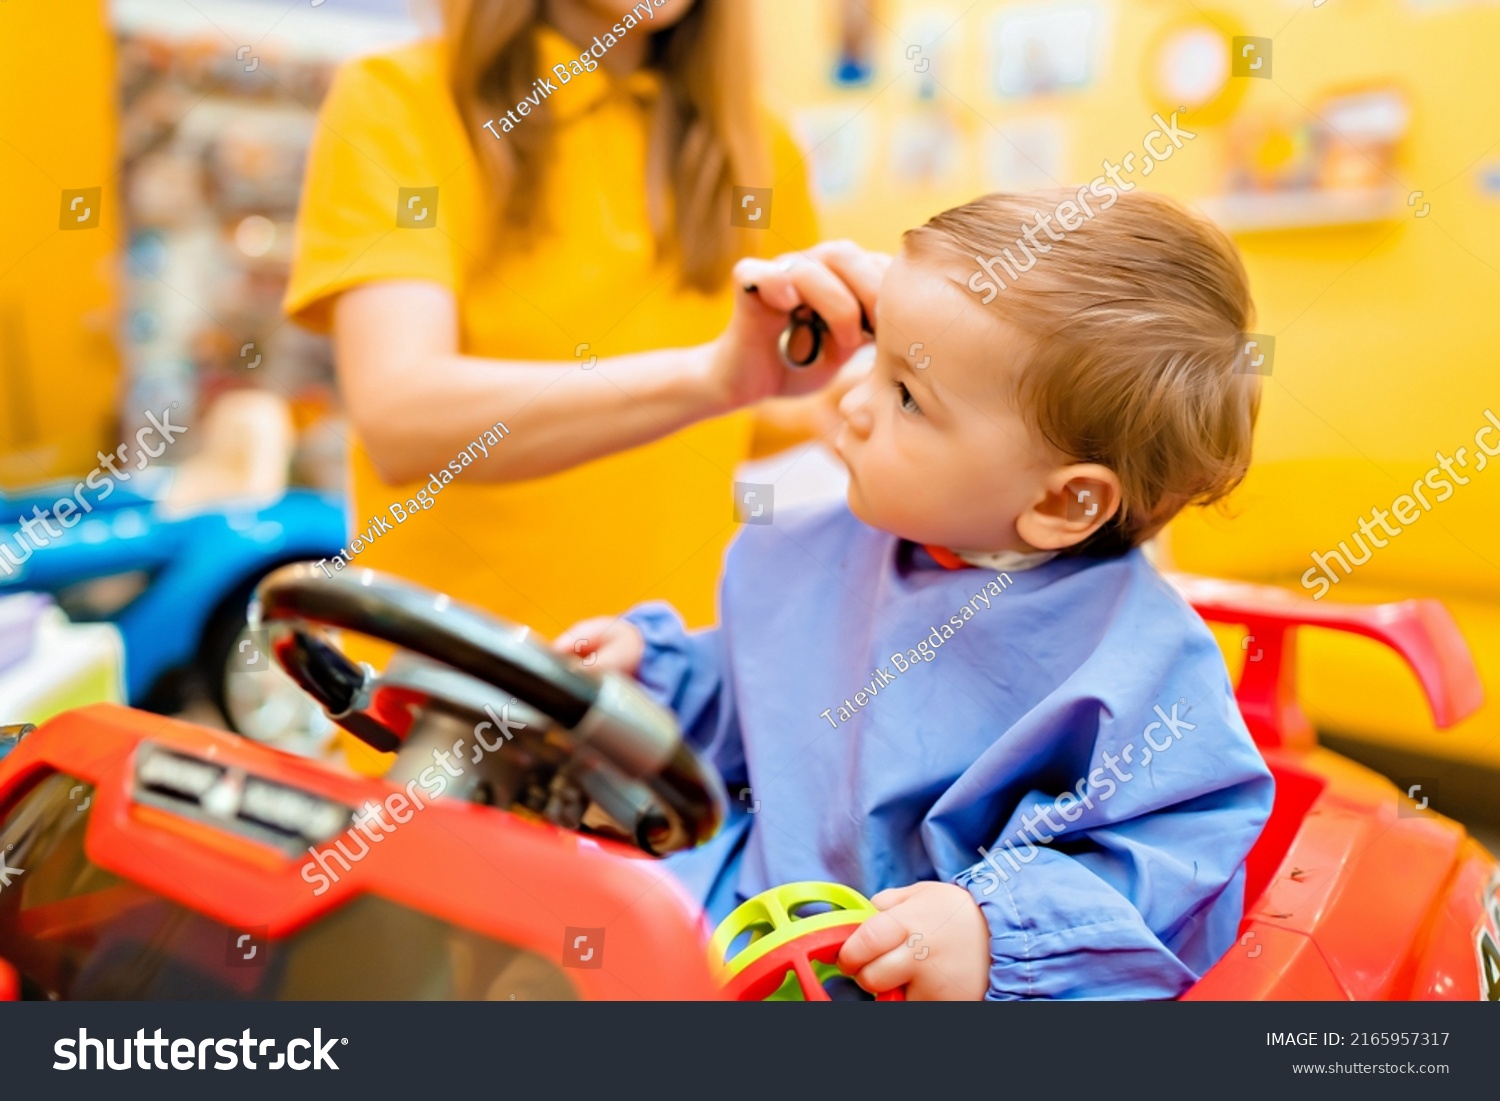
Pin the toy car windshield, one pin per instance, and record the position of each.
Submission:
(75, 931)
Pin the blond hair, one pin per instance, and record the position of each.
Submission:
(705, 133)
(1138, 315)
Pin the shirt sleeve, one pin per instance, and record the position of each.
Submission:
(384, 127)
(687, 673)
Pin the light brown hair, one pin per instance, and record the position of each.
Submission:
(705, 133)
(1138, 316)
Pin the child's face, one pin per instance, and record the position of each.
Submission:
(941, 454)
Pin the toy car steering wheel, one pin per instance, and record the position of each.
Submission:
(567, 743)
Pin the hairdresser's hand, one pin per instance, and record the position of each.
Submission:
(930, 938)
(605, 644)
(835, 278)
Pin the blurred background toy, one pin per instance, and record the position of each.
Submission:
(49, 665)
(172, 562)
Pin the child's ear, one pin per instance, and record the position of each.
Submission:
(1076, 501)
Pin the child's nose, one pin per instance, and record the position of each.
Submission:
(854, 407)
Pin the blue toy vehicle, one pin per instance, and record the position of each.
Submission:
(174, 578)
(176, 587)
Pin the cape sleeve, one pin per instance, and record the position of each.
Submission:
(1111, 821)
(1058, 930)
(688, 672)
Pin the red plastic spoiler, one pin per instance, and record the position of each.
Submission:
(1421, 631)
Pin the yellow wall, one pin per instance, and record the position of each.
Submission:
(1388, 333)
(58, 365)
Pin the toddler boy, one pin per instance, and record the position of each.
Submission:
(967, 693)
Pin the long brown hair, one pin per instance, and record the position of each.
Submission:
(705, 135)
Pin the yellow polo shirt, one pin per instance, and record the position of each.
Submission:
(648, 523)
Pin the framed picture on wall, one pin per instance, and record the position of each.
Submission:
(1035, 51)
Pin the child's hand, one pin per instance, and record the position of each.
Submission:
(929, 937)
(605, 643)
(838, 279)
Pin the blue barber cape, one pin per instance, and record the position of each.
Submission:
(1063, 742)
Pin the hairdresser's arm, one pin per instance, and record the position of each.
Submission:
(416, 402)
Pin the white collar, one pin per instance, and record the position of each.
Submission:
(1006, 559)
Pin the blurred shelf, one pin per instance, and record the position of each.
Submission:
(1258, 212)
(325, 32)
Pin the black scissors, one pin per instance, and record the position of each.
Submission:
(801, 342)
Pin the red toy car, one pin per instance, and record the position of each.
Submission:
(146, 858)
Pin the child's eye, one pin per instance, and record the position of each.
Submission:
(908, 403)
